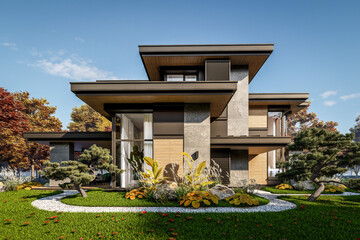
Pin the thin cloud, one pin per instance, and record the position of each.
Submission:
(72, 68)
(350, 96)
(35, 53)
(329, 103)
(10, 45)
(79, 39)
(328, 94)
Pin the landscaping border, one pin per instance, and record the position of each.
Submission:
(53, 203)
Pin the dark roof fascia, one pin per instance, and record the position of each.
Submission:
(251, 141)
(66, 136)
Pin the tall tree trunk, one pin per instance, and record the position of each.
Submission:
(113, 180)
(317, 193)
(32, 171)
(80, 190)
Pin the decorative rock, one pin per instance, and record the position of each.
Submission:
(302, 185)
(133, 185)
(166, 190)
(222, 191)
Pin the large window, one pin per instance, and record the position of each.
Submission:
(133, 133)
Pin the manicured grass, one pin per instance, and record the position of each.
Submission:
(331, 217)
(101, 198)
(292, 191)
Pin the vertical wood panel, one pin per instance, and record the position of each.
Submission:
(168, 151)
(258, 116)
(258, 168)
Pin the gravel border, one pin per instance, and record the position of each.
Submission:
(53, 203)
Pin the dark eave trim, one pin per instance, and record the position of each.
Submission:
(66, 136)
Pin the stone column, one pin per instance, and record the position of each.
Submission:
(238, 107)
(197, 130)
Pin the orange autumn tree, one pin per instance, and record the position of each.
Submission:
(304, 119)
(41, 119)
(13, 123)
(86, 119)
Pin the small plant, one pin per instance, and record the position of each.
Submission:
(136, 193)
(284, 186)
(242, 198)
(354, 184)
(29, 185)
(194, 178)
(195, 198)
(12, 178)
(181, 191)
(334, 188)
(152, 179)
(135, 161)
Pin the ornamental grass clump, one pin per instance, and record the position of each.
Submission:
(284, 186)
(136, 193)
(12, 177)
(195, 198)
(242, 199)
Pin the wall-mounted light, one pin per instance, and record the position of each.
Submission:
(195, 155)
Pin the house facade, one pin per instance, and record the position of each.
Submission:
(196, 100)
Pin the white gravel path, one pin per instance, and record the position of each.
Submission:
(53, 203)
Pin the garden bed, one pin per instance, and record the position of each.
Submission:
(294, 191)
(101, 198)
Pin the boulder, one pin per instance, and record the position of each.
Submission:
(302, 185)
(222, 191)
(167, 191)
(133, 185)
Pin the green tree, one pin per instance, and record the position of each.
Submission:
(305, 119)
(41, 119)
(356, 129)
(351, 158)
(78, 173)
(320, 155)
(86, 119)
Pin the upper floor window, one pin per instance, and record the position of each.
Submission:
(180, 77)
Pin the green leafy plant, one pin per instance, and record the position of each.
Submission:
(334, 188)
(136, 161)
(195, 178)
(152, 178)
(195, 198)
(139, 193)
(242, 198)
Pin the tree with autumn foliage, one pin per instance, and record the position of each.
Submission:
(41, 119)
(86, 119)
(304, 119)
(13, 123)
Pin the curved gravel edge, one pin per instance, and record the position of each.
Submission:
(53, 203)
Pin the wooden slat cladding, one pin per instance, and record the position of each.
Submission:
(258, 116)
(168, 152)
(258, 168)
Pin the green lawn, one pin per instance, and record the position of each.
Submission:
(292, 191)
(117, 199)
(332, 217)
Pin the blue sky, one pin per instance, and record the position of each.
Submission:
(44, 45)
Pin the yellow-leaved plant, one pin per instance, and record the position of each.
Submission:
(139, 193)
(152, 178)
(242, 198)
(194, 178)
(283, 186)
(195, 198)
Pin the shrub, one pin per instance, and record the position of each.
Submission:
(12, 178)
(151, 179)
(139, 193)
(354, 184)
(334, 188)
(181, 191)
(29, 185)
(248, 186)
(195, 198)
(284, 186)
(242, 198)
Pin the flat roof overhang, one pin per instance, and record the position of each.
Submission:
(156, 56)
(97, 94)
(289, 102)
(79, 139)
(255, 145)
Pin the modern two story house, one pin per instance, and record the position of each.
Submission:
(197, 100)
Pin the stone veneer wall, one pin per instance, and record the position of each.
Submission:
(197, 130)
(238, 107)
